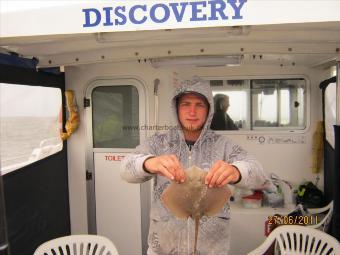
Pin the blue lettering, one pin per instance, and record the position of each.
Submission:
(237, 9)
(220, 9)
(132, 14)
(178, 15)
(108, 21)
(160, 13)
(196, 10)
(120, 15)
(88, 22)
(153, 13)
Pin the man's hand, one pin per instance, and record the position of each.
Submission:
(166, 165)
(221, 174)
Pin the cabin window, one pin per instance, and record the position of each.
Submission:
(30, 120)
(115, 116)
(259, 104)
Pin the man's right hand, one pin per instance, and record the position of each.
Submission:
(166, 165)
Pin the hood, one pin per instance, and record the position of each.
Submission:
(196, 85)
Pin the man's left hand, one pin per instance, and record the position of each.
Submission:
(221, 174)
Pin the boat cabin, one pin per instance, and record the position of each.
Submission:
(84, 82)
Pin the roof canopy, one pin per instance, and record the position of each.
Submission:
(31, 18)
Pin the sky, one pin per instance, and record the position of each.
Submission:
(29, 101)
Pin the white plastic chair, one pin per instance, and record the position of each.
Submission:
(77, 245)
(299, 240)
(324, 220)
(321, 215)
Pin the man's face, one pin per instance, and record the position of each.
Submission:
(225, 104)
(192, 112)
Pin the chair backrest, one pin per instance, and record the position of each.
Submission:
(298, 240)
(294, 239)
(77, 245)
(324, 222)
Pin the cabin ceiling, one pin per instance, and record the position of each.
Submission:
(310, 44)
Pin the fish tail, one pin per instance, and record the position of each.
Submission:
(197, 223)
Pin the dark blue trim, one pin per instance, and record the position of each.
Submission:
(13, 59)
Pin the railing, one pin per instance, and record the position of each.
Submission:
(46, 148)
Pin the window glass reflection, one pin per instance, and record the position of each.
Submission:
(259, 104)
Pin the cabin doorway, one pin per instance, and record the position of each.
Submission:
(115, 111)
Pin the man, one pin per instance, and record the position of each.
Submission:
(164, 156)
(221, 119)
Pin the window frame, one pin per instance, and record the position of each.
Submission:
(269, 130)
(115, 81)
(58, 148)
(94, 124)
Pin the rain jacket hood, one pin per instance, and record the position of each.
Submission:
(196, 86)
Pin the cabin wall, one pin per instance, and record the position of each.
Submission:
(292, 162)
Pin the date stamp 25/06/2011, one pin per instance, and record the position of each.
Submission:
(293, 220)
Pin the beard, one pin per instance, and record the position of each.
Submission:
(192, 128)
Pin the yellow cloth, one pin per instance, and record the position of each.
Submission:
(73, 119)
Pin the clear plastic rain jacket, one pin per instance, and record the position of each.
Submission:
(167, 234)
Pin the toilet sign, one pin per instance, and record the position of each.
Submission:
(113, 157)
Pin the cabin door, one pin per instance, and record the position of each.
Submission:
(116, 108)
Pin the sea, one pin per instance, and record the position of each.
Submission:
(20, 136)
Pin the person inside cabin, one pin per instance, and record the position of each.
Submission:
(164, 158)
(221, 119)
